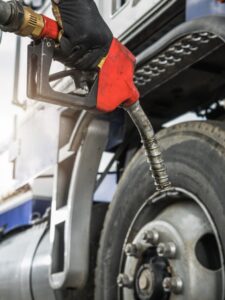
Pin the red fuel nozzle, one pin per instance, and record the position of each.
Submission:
(50, 29)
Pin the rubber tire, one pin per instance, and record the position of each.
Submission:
(194, 153)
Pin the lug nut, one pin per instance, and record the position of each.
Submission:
(167, 284)
(123, 280)
(151, 237)
(133, 250)
(173, 285)
(167, 250)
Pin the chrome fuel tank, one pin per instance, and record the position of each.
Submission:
(24, 263)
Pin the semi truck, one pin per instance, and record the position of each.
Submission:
(82, 219)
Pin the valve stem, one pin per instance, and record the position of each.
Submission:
(151, 146)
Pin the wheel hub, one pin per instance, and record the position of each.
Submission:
(163, 259)
(149, 279)
(145, 280)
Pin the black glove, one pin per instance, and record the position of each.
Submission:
(86, 38)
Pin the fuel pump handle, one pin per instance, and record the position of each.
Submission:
(112, 86)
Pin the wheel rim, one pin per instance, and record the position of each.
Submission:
(173, 256)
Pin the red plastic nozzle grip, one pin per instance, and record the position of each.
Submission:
(51, 29)
(116, 85)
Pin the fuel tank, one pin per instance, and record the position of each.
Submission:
(24, 263)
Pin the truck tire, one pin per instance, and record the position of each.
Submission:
(98, 214)
(193, 218)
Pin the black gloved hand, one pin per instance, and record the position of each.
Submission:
(86, 38)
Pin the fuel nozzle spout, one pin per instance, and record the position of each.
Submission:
(22, 20)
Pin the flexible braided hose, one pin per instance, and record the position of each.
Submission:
(151, 146)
